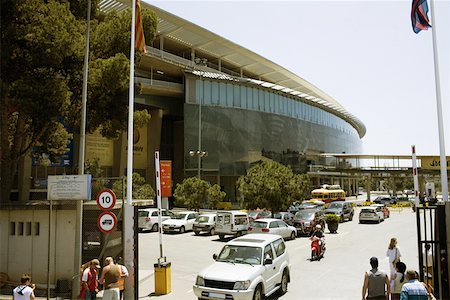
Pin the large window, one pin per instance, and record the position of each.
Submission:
(250, 98)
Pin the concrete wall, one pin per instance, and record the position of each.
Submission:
(25, 250)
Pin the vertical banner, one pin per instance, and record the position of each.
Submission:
(166, 178)
(415, 175)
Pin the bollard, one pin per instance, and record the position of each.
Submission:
(163, 278)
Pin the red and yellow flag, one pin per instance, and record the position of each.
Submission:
(140, 39)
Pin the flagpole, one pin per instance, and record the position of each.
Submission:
(444, 181)
(128, 232)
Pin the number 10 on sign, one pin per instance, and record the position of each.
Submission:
(106, 199)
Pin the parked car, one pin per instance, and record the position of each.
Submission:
(258, 214)
(249, 267)
(385, 200)
(148, 218)
(384, 209)
(342, 209)
(181, 222)
(205, 222)
(306, 219)
(284, 216)
(273, 226)
(371, 214)
(232, 222)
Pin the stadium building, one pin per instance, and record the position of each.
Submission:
(216, 108)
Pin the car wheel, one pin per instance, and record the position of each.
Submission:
(258, 293)
(212, 231)
(351, 217)
(221, 236)
(284, 283)
(155, 227)
(182, 229)
(293, 235)
(341, 219)
(379, 220)
(196, 232)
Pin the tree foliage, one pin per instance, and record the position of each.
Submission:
(271, 185)
(140, 189)
(215, 195)
(41, 76)
(191, 193)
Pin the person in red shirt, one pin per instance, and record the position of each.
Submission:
(90, 280)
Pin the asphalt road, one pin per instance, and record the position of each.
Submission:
(337, 276)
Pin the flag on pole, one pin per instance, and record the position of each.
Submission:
(140, 39)
(419, 15)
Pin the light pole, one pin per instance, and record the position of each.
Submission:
(200, 153)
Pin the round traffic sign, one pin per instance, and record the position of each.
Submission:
(106, 199)
(107, 221)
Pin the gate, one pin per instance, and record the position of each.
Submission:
(432, 249)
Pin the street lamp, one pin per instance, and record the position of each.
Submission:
(200, 153)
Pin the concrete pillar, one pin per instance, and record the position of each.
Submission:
(24, 178)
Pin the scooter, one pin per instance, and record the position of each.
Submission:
(317, 248)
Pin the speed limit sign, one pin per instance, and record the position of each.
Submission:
(106, 199)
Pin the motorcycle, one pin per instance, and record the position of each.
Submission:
(317, 248)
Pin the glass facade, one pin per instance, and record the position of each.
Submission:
(242, 124)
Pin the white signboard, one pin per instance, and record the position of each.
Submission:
(69, 187)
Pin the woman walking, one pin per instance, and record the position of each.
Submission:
(394, 254)
(398, 280)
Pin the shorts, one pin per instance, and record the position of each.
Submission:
(111, 294)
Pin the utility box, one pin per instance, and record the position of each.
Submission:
(163, 278)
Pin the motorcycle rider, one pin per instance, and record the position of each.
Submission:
(318, 234)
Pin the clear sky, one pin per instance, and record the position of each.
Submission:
(362, 53)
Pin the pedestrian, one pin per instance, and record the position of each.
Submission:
(109, 278)
(398, 280)
(428, 259)
(413, 289)
(25, 291)
(123, 275)
(394, 254)
(89, 280)
(376, 283)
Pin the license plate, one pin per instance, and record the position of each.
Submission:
(216, 295)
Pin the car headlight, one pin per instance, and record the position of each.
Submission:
(242, 285)
(200, 281)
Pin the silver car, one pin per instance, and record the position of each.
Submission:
(273, 226)
(371, 214)
(206, 223)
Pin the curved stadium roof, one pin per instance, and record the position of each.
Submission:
(260, 69)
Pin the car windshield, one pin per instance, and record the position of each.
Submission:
(304, 215)
(202, 219)
(179, 216)
(253, 214)
(240, 254)
(278, 216)
(335, 205)
(367, 210)
(259, 224)
(143, 213)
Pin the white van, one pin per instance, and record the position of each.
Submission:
(231, 223)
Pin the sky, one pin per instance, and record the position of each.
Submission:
(362, 53)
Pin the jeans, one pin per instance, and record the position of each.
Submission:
(91, 295)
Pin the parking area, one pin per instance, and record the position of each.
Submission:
(338, 276)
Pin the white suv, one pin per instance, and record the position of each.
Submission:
(249, 267)
(148, 218)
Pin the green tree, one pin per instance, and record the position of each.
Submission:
(271, 185)
(41, 77)
(215, 195)
(141, 190)
(191, 193)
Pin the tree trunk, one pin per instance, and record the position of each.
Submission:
(8, 172)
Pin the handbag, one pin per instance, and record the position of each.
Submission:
(397, 258)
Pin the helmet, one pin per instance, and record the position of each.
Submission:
(318, 226)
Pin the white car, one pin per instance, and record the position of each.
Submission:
(181, 222)
(249, 267)
(148, 218)
(205, 222)
(371, 214)
(273, 226)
